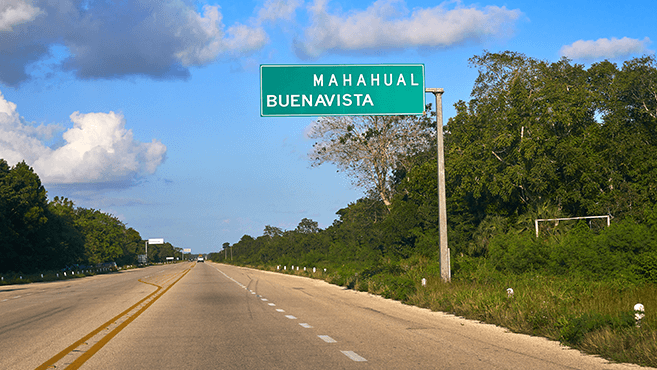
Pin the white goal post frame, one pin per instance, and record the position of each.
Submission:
(608, 217)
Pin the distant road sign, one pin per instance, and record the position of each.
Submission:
(156, 241)
(187, 250)
(341, 89)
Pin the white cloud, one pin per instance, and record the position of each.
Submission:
(98, 148)
(13, 13)
(162, 39)
(605, 48)
(206, 39)
(17, 141)
(243, 39)
(275, 10)
(387, 24)
(113, 39)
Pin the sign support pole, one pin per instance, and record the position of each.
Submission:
(445, 270)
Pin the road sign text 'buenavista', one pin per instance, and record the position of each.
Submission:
(335, 90)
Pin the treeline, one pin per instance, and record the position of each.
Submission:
(39, 235)
(536, 140)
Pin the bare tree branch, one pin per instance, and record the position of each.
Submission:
(369, 148)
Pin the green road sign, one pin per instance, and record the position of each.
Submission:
(341, 90)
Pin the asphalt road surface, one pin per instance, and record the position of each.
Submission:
(212, 316)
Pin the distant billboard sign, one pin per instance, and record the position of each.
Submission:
(187, 250)
(156, 241)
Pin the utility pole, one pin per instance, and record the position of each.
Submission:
(445, 271)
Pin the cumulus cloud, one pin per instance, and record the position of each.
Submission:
(206, 38)
(162, 39)
(15, 12)
(97, 149)
(275, 10)
(605, 48)
(388, 24)
(155, 38)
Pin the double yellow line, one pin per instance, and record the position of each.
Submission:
(50, 364)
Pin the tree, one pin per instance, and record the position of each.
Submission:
(160, 252)
(307, 226)
(528, 134)
(537, 133)
(356, 234)
(272, 231)
(64, 241)
(24, 207)
(37, 235)
(370, 148)
(626, 101)
(104, 235)
(6, 236)
(132, 246)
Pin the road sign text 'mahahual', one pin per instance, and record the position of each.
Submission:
(326, 90)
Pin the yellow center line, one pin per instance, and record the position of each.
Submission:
(103, 341)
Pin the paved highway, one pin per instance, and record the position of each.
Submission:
(212, 316)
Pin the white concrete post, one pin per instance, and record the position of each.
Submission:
(639, 313)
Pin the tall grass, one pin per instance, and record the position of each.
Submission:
(595, 317)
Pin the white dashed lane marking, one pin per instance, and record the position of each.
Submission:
(15, 297)
(327, 339)
(290, 317)
(280, 310)
(354, 356)
(307, 326)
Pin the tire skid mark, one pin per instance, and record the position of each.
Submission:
(79, 352)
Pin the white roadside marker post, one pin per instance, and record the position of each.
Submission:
(639, 313)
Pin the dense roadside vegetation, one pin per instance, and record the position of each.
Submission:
(37, 235)
(537, 140)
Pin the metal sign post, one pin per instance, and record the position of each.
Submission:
(445, 270)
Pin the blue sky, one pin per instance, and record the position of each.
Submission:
(149, 110)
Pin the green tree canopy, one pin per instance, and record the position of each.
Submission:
(104, 235)
(536, 131)
(23, 204)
